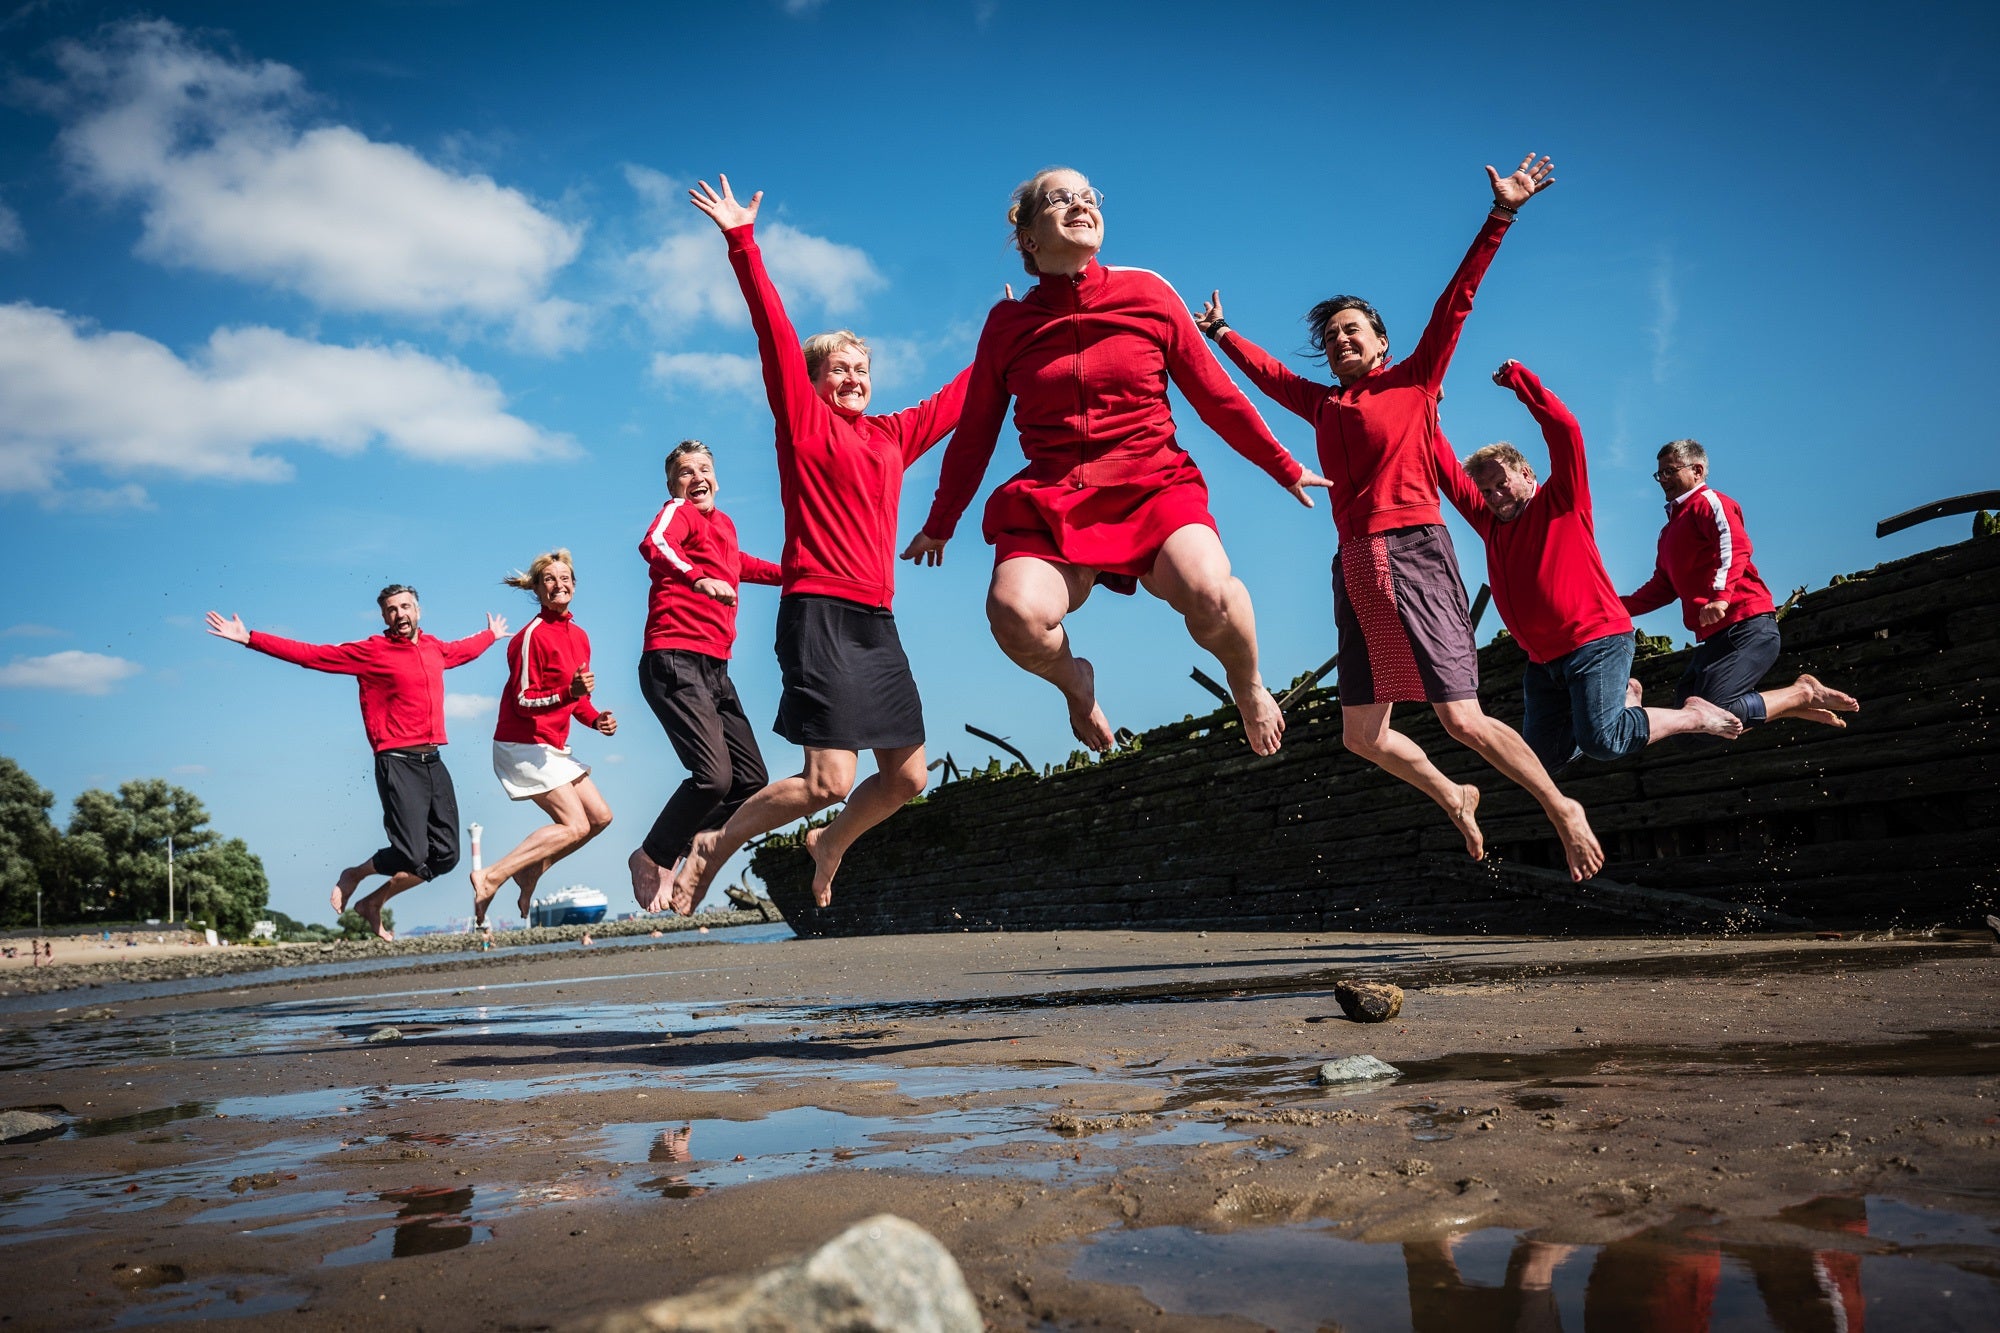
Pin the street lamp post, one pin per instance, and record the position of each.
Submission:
(170, 879)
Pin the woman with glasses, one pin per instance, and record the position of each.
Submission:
(1398, 602)
(847, 683)
(1108, 495)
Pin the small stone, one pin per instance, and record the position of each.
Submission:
(1413, 1166)
(141, 1277)
(27, 1126)
(1357, 1069)
(96, 1015)
(1369, 1001)
(386, 1034)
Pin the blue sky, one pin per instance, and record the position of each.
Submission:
(296, 300)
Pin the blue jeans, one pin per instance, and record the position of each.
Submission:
(1726, 668)
(1576, 704)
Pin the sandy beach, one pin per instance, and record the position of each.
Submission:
(1107, 1130)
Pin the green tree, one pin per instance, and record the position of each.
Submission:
(352, 927)
(223, 886)
(29, 842)
(115, 857)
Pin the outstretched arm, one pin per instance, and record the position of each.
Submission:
(1432, 354)
(1219, 403)
(231, 629)
(786, 383)
(1293, 392)
(1569, 480)
(340, 659)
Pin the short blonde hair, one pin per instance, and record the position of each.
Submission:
(1503, 453)
(529, 579)
(823, 345)
(1025, 206)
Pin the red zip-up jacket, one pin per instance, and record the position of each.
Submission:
(683, 545)
(541, 662)
(1549, 581)
(840, 478)
(1379, 436)
(1086, 358)
(1704, 554)
(401, 680)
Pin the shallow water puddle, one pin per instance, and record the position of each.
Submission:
(429, 1220)
(24, 1213)
(1892, 1264)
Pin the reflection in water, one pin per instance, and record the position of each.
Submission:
(435, 1220)
(672, 1149)
(1925, 1270)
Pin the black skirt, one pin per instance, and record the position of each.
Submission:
(847, 683)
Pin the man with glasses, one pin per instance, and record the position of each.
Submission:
(1704, 560)
(401, 673)
(1551, 588)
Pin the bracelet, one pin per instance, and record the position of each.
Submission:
(1511, 213)
(1214, 331)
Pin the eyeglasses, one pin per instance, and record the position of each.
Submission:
(1674, 471)
(1064, 198)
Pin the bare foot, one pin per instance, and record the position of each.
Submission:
(1633, 694)
(1580, 847)
(344, 887)
(483, 889)
(1466, 817)
(645, 872)
(1824, 698)
(1819, 715)
(1263, 721)
(1713, 721)
(824, 868)
(373, 916)
(1086, 720)
(527, 877)
(691, 884)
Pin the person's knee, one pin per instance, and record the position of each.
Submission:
(906, 783)
(442, 862)
(1363, 744)
(827, 787)
(1207, 601)
(599, 821)
(1467, 726)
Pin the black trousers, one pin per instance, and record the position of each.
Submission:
(1726, 668)
(696, 702)
(419, 813)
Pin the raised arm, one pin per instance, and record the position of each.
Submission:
(1432, 355)
(786, 383)
(971, 449)
(1457, 486)
(1218, 402)
(919, 428)
(457, 652)
(1295, 393)
(1569, 479)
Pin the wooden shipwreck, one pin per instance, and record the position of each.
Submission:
(1893, 822)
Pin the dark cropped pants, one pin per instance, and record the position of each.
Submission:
(696, 702)
(419, 813)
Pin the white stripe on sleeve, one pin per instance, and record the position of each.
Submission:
(658, 537)
(1725, 543)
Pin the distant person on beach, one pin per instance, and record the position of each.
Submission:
(1109, 496)
(1704, 561)
(1555, 596)
(1399, 605)
(696, 567)
(549, 681)
(847, 683)
(401, 675)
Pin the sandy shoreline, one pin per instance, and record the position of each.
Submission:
(1055, 1108)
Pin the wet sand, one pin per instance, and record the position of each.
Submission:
(1107, 1129)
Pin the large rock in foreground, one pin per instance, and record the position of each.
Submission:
(884, 1275)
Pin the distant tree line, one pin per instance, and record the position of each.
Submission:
(110, 864)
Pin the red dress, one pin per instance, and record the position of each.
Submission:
(1086, 359)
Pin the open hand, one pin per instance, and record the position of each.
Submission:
(729, 214)
(496, 625)
(1211, 315)
(231, 629)
(606, 724)
(924, 549)
(716, 588)
(1528, 180)
(1307, 478)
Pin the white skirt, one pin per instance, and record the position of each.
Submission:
(527, 769)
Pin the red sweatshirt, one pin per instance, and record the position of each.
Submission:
(541, 662)
(1548, 579)
(402, 680)
(840, 477)
(1086, 358)
(1704, 554)
(683, 545)
(1379, 437)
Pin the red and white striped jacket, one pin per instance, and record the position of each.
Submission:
(1704, 555)
(682, 546)
(541, 661)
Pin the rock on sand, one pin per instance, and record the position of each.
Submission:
(1369, 1001)
(17, 1126)
(1357, 1069)
(884, 1275)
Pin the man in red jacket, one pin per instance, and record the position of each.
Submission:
(1704, 560)
(401, 675)
(1551, 589)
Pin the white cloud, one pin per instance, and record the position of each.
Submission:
(706, 372)
(470, 705)
(229, 181)
(26, 630)
(685, 276)
(217, 413)
(12, 237)
(71, 671)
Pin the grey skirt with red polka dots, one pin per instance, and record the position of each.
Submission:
(1405, 628)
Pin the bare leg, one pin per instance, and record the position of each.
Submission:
(350, 880)
(651, 881)
(1025, 605)
(369, 909)
(1501, 746)
(1365, 729)
(827, 777)
(1192, 575)
(1696, 715)
(579, 813)
(1808, 699)
(899, 777)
